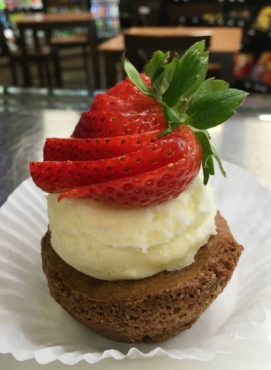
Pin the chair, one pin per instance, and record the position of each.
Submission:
(34, 49)
(47, 24)
(5, 53)
(70, 43)
(139, 48)
(39, 56)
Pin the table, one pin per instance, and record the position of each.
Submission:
(48, 22)
(244, 140)
(225, 41)
(53, 20)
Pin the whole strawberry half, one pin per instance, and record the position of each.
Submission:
(100, 124)
(144, 140)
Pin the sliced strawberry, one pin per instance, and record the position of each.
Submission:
(72, 149)
(143, 190)
(101, 124)
(61, 176)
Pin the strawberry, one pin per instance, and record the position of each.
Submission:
(123, 110)
(101, 124)
(72, 149)
(143, 141)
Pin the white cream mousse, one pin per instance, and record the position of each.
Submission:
(112, 243)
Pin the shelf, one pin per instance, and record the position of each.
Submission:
(257, 33)
(213, 2)
(253, 87)
(104, 2)
(60, 2)
(102, 17)
(195, 21)
(257, 41)
(24, 10)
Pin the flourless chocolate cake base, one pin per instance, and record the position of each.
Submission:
(146, 310)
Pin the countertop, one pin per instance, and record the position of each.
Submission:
(244, 140)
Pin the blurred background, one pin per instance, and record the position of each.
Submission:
(60, 48)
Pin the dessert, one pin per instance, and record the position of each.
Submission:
(136, 249)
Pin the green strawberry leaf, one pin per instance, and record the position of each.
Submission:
(220, 165)
(135, 77)
(161, 83)
(208, 87)
(199, 78)
(214, 108)
(207, 155)
(189, 73)
(198, 47)
(155, 65)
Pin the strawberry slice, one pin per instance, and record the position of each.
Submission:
(101, 124)
(72, 149)
(145, 189)
(58, 177)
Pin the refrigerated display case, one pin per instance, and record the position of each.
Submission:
(107, 17)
